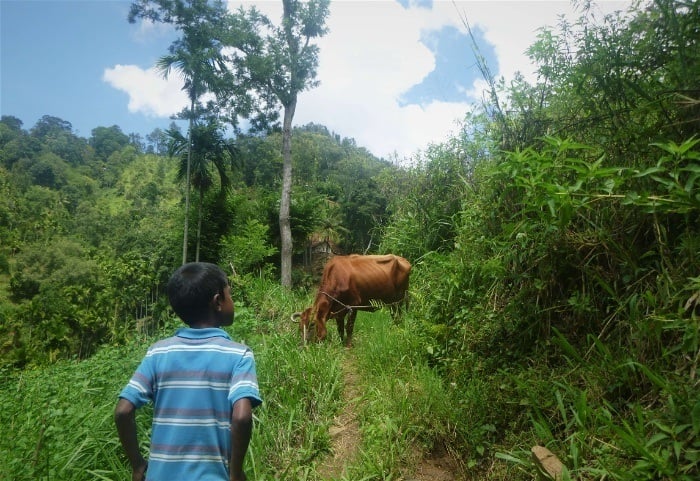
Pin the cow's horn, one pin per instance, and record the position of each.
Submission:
(295, 316)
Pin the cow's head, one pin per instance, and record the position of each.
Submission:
(311, 330)
(307, 326)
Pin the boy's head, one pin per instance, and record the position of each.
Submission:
(199, 293)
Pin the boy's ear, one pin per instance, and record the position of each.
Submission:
(216, 302)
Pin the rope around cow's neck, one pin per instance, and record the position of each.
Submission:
(345, 306)
(359, 308)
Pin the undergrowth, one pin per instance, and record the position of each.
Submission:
(61, 416)
(567, 313)
(59, 423)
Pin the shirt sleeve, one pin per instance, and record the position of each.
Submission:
(244, 381)
(139, 390)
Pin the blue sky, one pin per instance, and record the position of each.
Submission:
(53, 56)
(395, 75)
(455, 66)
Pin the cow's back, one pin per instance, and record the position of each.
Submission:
(359, 279)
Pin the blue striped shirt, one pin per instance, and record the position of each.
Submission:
(193, 380)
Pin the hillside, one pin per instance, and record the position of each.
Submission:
(90, 229)
(555, 289)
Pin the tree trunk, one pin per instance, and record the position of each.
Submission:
(285, 201)
(199, 224)
(187, 185)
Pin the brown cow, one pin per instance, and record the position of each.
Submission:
(349, 284)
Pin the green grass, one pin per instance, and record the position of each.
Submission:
(60, 417)
(58, 422)
(301, 389)
(404, 410)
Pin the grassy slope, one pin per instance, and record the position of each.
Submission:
(58, 420)
(60, 417)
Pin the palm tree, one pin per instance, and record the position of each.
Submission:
(197, 56)
(203, 151)
(330, 224)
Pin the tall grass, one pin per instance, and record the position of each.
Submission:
(301, 388)
(414, 402)
(59, 419)
(566, 315)
(405, 411)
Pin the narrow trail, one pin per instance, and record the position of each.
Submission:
(346, 438)
(345, 432)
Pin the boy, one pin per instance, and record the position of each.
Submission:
(202, 384)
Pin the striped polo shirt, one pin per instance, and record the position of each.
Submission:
(193, 380)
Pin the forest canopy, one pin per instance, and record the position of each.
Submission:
(91, 227)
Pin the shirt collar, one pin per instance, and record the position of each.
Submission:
(204, 333)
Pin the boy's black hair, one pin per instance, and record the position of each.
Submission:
(192, 287)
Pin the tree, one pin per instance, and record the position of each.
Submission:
(56, 135)
(9, 198)
(208, 148)
(282, 66)
(196, 55)
(48, 125)
(12, 122)
(107, 140)
(616, 80)
(295, 56)
(156, 142)
(15, 143)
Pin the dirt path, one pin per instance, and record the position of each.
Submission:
(346, 438)
(345, 432)
(435, 468)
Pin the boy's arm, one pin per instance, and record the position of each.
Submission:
(241, 430)
(125, 419)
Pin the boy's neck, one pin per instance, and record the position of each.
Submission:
(204, 325)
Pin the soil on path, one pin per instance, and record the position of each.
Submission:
(346, 439)
(345, 432)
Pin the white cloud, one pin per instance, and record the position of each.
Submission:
(512, 26)
(148, 92)
(373, 54)
(370, 57)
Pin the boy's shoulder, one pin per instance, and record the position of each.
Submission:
(166, 341)
(196, 339)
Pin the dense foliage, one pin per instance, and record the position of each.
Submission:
(555, 243)
(91, 228)
(568, 287)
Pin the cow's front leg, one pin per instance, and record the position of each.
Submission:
(349, 328)
(321, 330)
(340, 322)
